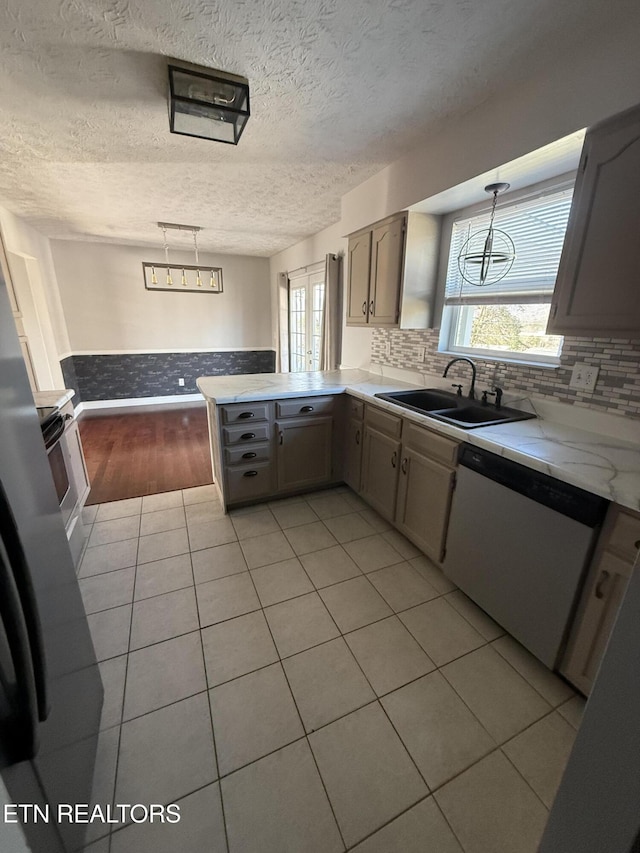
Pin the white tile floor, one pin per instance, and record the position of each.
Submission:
(299, 678)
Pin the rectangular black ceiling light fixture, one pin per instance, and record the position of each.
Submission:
(206, 103)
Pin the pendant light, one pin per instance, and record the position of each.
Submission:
(488, 255)
(186, 272)
(166, 255)
(195, 250)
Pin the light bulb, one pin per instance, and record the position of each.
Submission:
(212, 283)
(198, 279)
(154, 277)
(184, 278)
(169, 279)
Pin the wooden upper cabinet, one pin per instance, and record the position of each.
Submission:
(359, 274)
(375, 274)
(387, 245)
(598, 286)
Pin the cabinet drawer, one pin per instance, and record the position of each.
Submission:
(384, 422)
(245, 413)
(249, 481)
(247, 455)
(431, 444)
(245, 433)
(304, 406)
(625, 535)
(355, 409)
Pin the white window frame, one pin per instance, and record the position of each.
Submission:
(451, 312)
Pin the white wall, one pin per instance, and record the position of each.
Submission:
(108, 309)
(34, 278)
(356, 342)
(589, 82)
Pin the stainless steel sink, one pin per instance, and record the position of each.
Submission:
(452, 409)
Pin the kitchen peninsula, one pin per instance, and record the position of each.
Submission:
(595, 461)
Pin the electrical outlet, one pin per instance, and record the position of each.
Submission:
(387, 349)
(584, 377)
(420, 353)
(181, 382)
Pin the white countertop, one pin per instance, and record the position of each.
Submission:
(53, 398)
(601, 464)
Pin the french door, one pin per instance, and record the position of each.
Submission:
(306, 308)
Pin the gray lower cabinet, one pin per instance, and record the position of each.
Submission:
(353, 454)
(303, 447)
(267, 448)
(381, 460)
(616, 554)
(380, 465)
(424, 501)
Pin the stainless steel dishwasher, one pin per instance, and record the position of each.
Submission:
(518, 545)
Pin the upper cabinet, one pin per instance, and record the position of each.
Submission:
(392, 272)
(359, 272)
(598, 285)
(375, 274)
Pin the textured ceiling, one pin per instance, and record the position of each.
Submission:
(339, 88)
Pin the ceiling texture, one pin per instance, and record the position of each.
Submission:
(339, 89)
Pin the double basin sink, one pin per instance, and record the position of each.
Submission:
(452, 409)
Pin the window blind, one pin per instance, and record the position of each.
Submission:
(537, 227)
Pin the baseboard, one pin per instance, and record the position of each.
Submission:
(139, 404)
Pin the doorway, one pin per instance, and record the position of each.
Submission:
(306, 309)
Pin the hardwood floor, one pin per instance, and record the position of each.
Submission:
(130, 455)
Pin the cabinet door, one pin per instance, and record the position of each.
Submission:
(304, 452)
(380, 466)
(359, 275)
(353, 454)
(424, 501)
(601, 600)
(597, 289)
(386, 273)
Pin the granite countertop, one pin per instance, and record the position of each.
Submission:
(597, 462)
(53, 398)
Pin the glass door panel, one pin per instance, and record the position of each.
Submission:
(306, 308)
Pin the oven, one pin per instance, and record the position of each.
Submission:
(53, 424)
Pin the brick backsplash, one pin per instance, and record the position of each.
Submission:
(118, 377)
(617, 390)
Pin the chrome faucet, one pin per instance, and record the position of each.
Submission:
(472, 389)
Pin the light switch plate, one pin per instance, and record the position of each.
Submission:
(420, 353)
(387, 349)
(584, 377)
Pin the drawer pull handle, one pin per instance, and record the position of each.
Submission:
(604, 577)
(249, 455)
(394, 458)
(306, 409)
(364, 307)
(371, 308)
(250, 474)
(404, 465)
(281, 437)
(244, 415)
(357, 436)
(247, 435)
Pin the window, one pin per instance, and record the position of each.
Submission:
(306, 307)
(508, 319)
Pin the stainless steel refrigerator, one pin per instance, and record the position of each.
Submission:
(50, 688)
